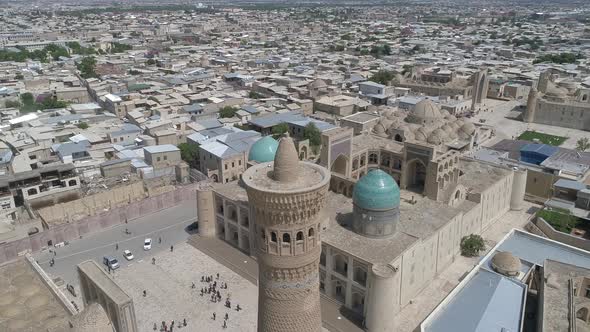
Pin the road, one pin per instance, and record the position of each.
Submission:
(169, 224)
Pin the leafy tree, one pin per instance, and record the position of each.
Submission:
(280, 129)
(471, 245)
(82, 125)
(56, 51)
(87, 67)
(228, 112)
(255, 95)
(583, 144)
(383, 77)
(189, 153)
(119, 48)
(51, 103)
(560, 58)
(150, 62)
(12, 104)
(313, 134)
(27, 98)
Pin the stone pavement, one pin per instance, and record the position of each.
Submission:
(170, 297)
(412, 315)
(509, 128)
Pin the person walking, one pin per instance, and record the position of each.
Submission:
(116, 246)
(224, 324)
(171, 248)
(226, 316)
(159, 240)
(214, 316)
(153, 260)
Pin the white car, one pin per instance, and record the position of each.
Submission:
(147, 244)
(128, 255)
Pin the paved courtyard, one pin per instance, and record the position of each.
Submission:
(499, 116)
(170, 297)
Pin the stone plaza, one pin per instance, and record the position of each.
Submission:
(170, 296)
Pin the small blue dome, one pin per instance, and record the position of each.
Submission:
(376, 191)
(263, 150)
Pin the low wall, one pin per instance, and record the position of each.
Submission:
(553, 234)
(93, 204)
(68, 231)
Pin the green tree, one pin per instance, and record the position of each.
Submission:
(383, 77)
(51, 103)
(27, 98)
(82, 125)
(12, 104)
(228, 112)
(189, 153)
(150, 62)
(583, 144)
(255, 95)
(471, 245)
(87, 67)
(119, 48)
(313, 134)
(280, 129)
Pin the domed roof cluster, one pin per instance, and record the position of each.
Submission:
(425, 112)
(264, 150)
(376, 191)
(426, 123)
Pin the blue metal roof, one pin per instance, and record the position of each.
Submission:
(543, 149)
(569, 184)
(376, 191)
(488, 302)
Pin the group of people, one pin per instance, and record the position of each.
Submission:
(213, 287)
(170, 328)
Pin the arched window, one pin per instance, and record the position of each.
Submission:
(299, 236)
(72, 183)
(398, 138)
(32, 191)
(286, 238)
(273, 237)
(310, 232)
(373, 158)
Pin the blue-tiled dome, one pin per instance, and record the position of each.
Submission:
(263, 150)
(376, 191)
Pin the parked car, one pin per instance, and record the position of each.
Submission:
(147, 244)
(128, 255)
(111, 262)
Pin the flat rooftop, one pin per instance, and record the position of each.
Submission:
(26, 303)
(361, 142)
(479, 176)
(417, 221)
(361, 117)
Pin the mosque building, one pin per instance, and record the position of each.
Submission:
(562, 103)
(392, 220)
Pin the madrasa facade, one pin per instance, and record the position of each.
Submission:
(393, 218)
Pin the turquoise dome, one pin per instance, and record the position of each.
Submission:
(263, 150)
(376, 191)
